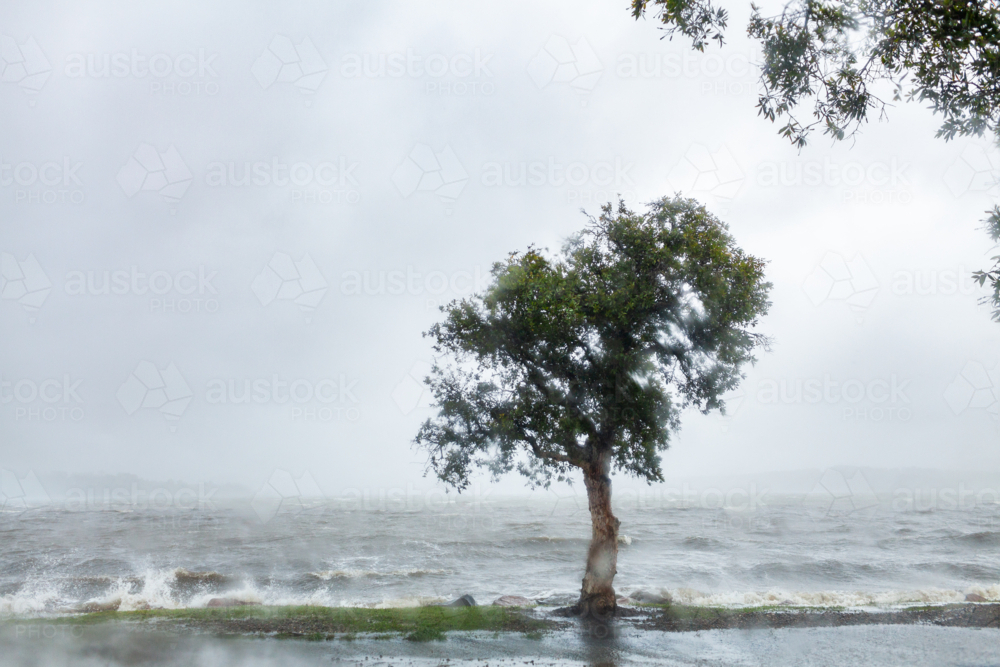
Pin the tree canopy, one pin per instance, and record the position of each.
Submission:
(833, 54)
(595, 352)
(830, 54)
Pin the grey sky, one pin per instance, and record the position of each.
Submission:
(412, 171)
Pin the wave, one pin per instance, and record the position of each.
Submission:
(696, 542)
(179, 588)
(983, 538)
(535, 539)
(156, 593)
(834, 598)
(327, 575)
(34, 598)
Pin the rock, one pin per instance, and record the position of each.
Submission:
(511, 601)
(229, 602)
(651, 598)
(464, 601)
(92, 607)
(624, 600)
(974, 597)
(786, 602)
(188, 577)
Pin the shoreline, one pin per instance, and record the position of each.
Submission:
(693, 619)
(433, 623)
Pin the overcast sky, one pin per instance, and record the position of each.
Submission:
(198, 197)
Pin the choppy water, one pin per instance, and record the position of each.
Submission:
(913, 646)
(55, 560)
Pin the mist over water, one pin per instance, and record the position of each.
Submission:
(792, 551)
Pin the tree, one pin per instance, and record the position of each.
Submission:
(832, 53)
(585, 361)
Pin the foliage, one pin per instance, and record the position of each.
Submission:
(992, 224)
(831, 53)
(596, 351)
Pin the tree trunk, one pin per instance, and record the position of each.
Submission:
(597, 596)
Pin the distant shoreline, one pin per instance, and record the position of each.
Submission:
(432, 623)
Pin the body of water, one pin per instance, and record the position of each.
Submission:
(55, 560)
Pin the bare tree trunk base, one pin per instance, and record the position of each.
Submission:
(598, 607)
(598, 601)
